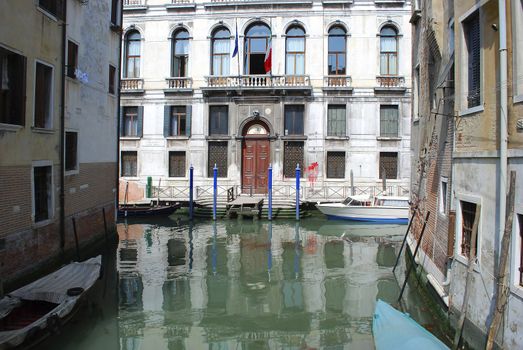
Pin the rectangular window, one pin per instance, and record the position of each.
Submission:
(218, 120)
(336, 165)
(43, 95)
(217, 155)
(71, 150)
(176, 164)
(54, 7)
(389, 165)
(293, 155)
(42, 192)
(12, 87)
(389, 121)
(443, 196)
(72, 59)
(471, 29)
(112, 79)
(115, 12)
(294, 119)
(178, 121)
(336, 120)
(468, 214)
(129, 163)
(520, 221)
(130, 121)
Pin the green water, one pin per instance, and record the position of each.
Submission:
(241, 285)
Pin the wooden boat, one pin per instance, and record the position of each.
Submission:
(380, 209)
(393, 330)
(29, 314)
(125, 210)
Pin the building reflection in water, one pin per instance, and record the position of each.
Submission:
(246, 285)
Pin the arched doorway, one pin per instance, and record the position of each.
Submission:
(256, 153)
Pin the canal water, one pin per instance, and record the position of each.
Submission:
(234, 284)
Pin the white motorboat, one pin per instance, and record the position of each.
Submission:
(380, 209)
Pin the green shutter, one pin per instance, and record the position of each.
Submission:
(166, 121)
(122, 126)
(188, 121)
(140, 121)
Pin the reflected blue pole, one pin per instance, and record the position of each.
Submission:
(191, 186)
(269, 215)
(269, 252)
(296, 250)
(215, 190)
(191, 247)
(214, 253)
(298, 191)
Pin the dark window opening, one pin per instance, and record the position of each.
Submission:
(520, 221)
(176, 164)
(218, 120)
(72, 59)
(132, 55)
(256, 48)
(129, 164)
(294, 119)
(12, 87)
(180, 54)
(217, 155)
(178, 120)
(54, 7)
(115, 11)
(471, 28)
(112, 79)
(336, 165)
(389, 165)
(42, 192)
(292, 156)
(43, 89)
(389, 121)
(468, 215)
(71, 150)
(336, 120)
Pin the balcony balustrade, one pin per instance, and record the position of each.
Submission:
(179, 84)
(337, 81)
(390, 81)
(259, 81)
(134, 5)
(131, 85)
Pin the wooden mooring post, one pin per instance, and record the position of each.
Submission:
(76, 239)
(404, 241)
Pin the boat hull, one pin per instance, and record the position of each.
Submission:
(146, 211)
(389, 215)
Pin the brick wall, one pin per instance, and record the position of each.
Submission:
(15, 199)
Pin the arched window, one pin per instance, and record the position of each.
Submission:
(180, 53)
(257, 46)
(295, 51)
(388, 51)
(132, 54)
(221, 46)
(337, 51)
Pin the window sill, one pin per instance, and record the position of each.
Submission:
(72, 79)
(465, 261)
(516, 290)
(42, 223)
(336, 179)
(387, 138)
(42, 130)
(129, 178)
(294, 137)
(518, 99)
(178, 178)
(72, 172)
(130, 138)
(218, 137)
(472, 110)
(47, 14)
(337, 138)
(10, 127)
(177, 138)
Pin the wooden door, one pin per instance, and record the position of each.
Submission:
(256, 159)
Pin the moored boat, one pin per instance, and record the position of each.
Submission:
(380, 209)
(30, 313)
(125, 210)
(393, 330)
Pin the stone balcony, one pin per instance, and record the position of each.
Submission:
(134, 5)
(131, 85)
(282, 84)
(337, 83)
(390, 84)
(180, 5)
(293, 3)
(178, 84)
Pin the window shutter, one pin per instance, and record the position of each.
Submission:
(22, 93)
(166, 121)
(140, 121)
(188, 121)
(474, 60)
(122, 126)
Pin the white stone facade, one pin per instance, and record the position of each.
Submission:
(248, 99)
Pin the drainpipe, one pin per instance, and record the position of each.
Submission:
(62, 130)
(503, 116)
(117, 178)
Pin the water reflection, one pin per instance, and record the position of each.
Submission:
(250, 285)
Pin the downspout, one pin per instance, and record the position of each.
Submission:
(62, 130)
(503, 135)
(119, 84)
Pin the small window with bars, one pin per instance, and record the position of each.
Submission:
(217, 155)
(176, 164)
(389, 121)
(336, 120)
(129, 164)
(468, 214)
(472, 32)
(293, 155)
(336, 165)
(389, 165)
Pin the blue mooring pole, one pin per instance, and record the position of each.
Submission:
(191, 186)
(269, 182)
(298, 191)
(215, 190)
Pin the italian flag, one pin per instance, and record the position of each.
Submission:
(267, 62)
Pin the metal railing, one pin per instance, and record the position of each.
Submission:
(171, 192)
(390, 81)
(133, 3)
(337, 81)
(259, 81)
(132, 84)
(182, 1)
(179, 83)
(204, 192)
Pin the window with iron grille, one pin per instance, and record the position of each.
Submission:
(468, 214)
(176, 164)
(471, 29)
(389, 165)
(112, 79)
(54, 7)
(336, 120)
(294, 119)
(129, 164)
(389, 121)
(43, 95)
(12, 87)
(131, 121)
(520, 221)
(217, 155)
(336, 165)
(218, 120)
(293, 155)
(42, 189)
(72, 59)
(71, 150)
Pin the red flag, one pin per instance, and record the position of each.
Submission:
(267, 62)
